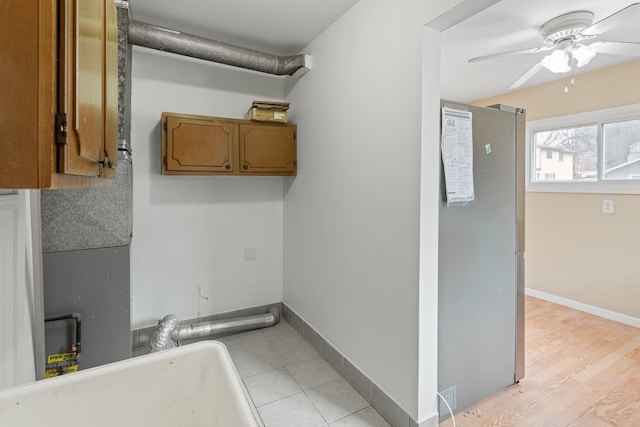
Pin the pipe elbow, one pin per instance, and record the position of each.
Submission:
(162, 337)
(276, 315)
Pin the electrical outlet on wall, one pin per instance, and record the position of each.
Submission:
(250, 254)
(607, 206)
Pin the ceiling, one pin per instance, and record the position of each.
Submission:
(279, 27)
(286, 27)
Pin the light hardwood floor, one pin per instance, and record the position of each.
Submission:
(580, 370)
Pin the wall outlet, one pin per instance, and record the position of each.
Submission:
(250, 254)
(607, 206)
(450, 396)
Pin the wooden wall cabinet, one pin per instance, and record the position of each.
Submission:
(59, 103)
(201, 145)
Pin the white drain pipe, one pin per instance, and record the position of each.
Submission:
(169, 331)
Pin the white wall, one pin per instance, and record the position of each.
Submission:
(359, 265)
(189, 233)
(429, 211)
(352, 215)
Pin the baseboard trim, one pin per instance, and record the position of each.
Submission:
(431, 421)
(591, 309)
(381, 401)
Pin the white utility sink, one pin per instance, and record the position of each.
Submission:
(194, 385)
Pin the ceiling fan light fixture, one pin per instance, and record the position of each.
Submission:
(583, 54)
(557, 62)
(567, 26)
(564, 35)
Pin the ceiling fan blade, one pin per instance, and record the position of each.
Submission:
(618, 48)
(511, 52)
(629, 15)
(526, 76)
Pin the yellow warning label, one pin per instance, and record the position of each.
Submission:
(55, 372)
(50, 373)
(63, 357)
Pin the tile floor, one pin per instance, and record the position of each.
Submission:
(292, 385)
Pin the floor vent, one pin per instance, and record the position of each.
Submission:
(450, 396)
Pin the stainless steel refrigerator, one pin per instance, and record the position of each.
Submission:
(481, 265)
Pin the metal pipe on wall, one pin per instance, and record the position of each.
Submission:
(153, 37)
(169, 331)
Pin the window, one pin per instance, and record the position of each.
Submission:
(621, 149)
(594, 152)
(579, 144)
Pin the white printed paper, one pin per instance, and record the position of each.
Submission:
(457, 155)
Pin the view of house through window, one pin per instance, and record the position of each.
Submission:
(566, 154)
(602, 151)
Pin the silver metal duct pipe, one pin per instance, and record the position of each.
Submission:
(167, 40)
(169, 331)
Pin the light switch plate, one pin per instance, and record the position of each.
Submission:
(607, 206)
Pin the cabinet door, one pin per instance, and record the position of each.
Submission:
(27, 95)
(86, 84)
(197, 146)
(267, 149)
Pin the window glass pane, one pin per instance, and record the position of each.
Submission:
(566, 154)
(621, 150)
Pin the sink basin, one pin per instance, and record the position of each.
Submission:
(194, 385)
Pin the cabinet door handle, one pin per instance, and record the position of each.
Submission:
(227, 166)
(107, 163)
(245, 166)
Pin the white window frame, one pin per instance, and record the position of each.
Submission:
(625, 112)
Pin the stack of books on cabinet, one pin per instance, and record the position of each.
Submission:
(265, 111)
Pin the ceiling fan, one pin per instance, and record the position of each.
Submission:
(565, 36)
